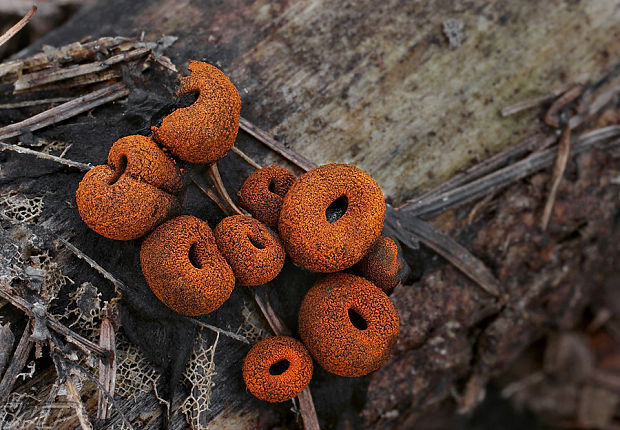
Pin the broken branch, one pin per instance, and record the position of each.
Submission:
(20, 24)
(44, 156)
(66, 110)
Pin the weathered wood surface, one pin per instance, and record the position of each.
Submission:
(376, 84)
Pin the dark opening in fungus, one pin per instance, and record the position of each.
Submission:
(337, 209)
(277, 369)
(357, 320)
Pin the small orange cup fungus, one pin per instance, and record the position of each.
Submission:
(348, 325)
(277, 369)
(382, 264)
(263, 191)
(184, 268)
(206, 130)
(140, 157)
(330, 217)
(253, 251)
(131, 195)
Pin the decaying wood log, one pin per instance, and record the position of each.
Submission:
(410, 91)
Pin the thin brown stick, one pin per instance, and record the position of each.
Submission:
(107, 369)
(308, 412)
(276, 324)
(17, 363)
(43, 77)
(66, 110)
(209, 193)
(71, 336)
(566, 98)
(21, 150)
(119, 286)
(445, 246)
(503, 177)
(528, 104)
(61, 362)
(246, 157)
(220, 331)
(216, 178)
(265, 138)
(558, 174)
(485, 167)
(20, 24)
(28, 103)
(75, 400)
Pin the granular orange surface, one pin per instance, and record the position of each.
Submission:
(322, 246)
(254, 252)
(133, 194)
(348, 325)
(184, 268)
(263, 191)
(381, 264)
(204, 131)
(141, 158)
(271, 355)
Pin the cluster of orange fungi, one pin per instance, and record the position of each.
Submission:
(328, 220)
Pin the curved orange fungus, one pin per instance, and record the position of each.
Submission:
(204, 131)
(348, 325)
(184, 268)
(132, 194)
(330, 217)
(253, 251)
(263, 191)
(277, 369)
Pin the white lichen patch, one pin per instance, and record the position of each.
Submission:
(134, 375)
(252, 328)
(18, 208)
(199, 374)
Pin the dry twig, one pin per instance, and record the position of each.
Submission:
(119, 286)
(445, 246)
(209, 193)
(44, 156)
(107, 368)
(246, 157)
(20, 24)
(503, 177)
(558, 174)
(216, 178)
(220, 331)
(66, 110)
(20, 356)
(294, 157)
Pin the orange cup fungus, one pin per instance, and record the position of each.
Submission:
(263, 191)
(382, 264)
(133, 193)
(277, 369)
(184, 268)
(254, 252)
(204, 131)
(330, 217)
(348, 325)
